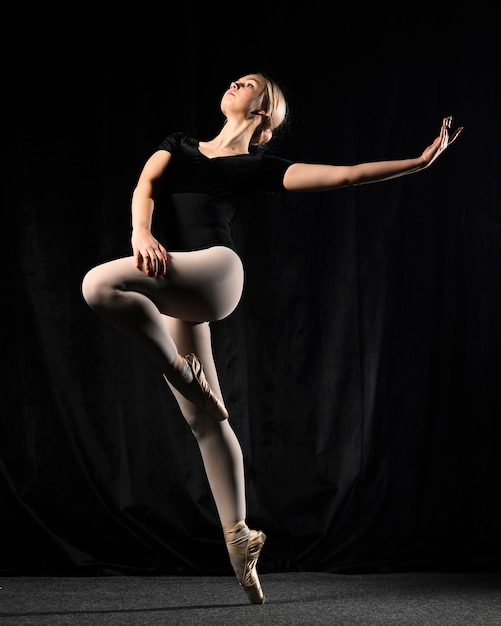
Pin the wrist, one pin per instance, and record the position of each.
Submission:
(140, 228)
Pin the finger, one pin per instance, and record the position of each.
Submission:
(161, 260)
(157, 264)
(147, 266)
(150, 264)
(142, 263)
(455, 134)
(163, 265)
(444, 136)
(161, 254)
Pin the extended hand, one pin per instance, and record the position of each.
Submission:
(442, 142)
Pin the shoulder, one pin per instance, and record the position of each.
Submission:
(274, 164)
(268, 170)
(176, 140)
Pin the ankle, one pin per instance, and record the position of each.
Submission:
(236, 534)
(179, 373)
(181, 368)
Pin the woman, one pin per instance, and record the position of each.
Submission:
(165, 295)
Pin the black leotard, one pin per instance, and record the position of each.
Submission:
(206, 192)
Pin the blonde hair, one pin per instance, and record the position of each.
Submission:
(275, 105)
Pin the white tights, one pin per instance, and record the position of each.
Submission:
(169, 316)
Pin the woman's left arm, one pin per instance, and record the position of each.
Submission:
(320, 177)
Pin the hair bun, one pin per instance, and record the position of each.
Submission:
(262, 137)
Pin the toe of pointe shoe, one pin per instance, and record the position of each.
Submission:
(255, 594)
(250, 579)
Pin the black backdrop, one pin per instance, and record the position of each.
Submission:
(361, 368)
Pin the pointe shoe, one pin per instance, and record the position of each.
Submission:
(251, 550)
(211, 403)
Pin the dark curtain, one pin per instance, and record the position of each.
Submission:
(362, 366)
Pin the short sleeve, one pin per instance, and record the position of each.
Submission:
(171, 142)
(273, 172)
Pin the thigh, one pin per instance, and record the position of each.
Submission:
(208, 284)
(203, 285)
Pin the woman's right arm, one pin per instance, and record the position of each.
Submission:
(149, 253)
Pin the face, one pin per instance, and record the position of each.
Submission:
(243, 96)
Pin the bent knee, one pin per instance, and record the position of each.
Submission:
(89, 287)
(95, 290)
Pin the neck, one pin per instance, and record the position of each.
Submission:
(234, 137)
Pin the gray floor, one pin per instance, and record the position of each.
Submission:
(305, 599)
